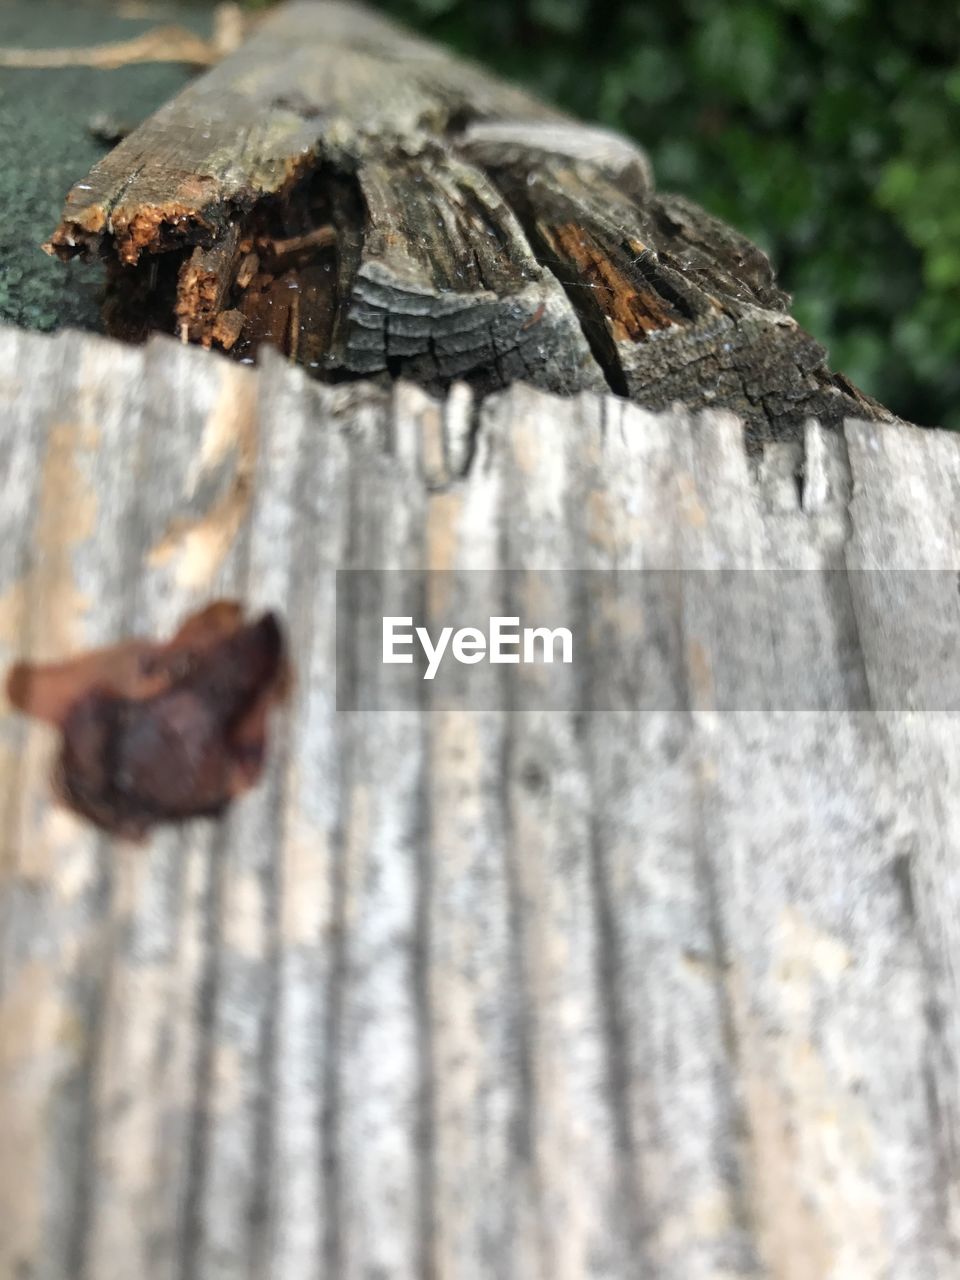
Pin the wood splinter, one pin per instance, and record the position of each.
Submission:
(156, 732)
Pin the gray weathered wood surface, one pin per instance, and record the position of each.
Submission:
(465, 994)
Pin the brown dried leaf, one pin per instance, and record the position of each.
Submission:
(161, 732)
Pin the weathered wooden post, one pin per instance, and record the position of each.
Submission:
(661, 982)
(372, 206)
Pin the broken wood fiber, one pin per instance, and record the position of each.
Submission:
(373, 206)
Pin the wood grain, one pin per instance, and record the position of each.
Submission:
(459, 993)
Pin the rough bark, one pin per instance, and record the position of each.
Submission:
(467, 993)
(410, 215)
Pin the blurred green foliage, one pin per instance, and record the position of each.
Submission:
(826, 130)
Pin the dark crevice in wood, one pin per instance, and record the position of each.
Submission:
(201, 1107)
(578, 290)
(348, 214)
(426, 1086)
(260, 1206)
(470, 444)
(331, 1170)
(459, 119)
(521, 1017)
(521, 1014)
(291, 300)
(620, 1070)
(80, 1157)
(279, 276)
(666, 283)
(731, 1161)
(799, 484)
(330, 1066)
(142, 300)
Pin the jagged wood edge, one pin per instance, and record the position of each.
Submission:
(487, 237)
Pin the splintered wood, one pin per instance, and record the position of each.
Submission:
(370, 205)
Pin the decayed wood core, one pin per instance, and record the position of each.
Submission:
(372, 206)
